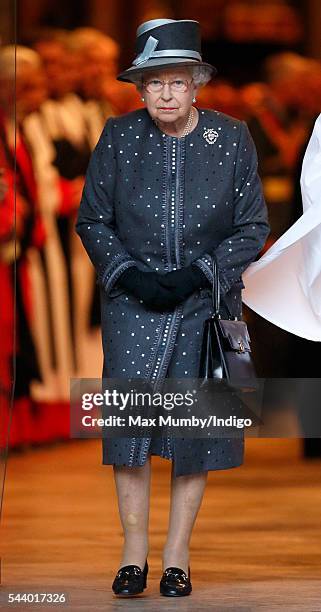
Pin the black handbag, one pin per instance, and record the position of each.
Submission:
(225, 351)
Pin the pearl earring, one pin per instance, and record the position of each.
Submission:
(194, 99)
(143, 99)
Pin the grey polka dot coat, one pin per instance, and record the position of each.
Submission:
(161, 202)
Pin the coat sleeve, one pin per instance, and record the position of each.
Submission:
(250, 219)
(95, 223)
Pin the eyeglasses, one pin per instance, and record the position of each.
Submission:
(156, 85)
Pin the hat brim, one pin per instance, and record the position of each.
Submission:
(154, 64)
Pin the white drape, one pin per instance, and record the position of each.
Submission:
(284, 285)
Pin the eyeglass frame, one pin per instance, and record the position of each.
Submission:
(168, 83)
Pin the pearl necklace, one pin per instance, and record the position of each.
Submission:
(188, 125)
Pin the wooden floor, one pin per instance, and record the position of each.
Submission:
(256, 544)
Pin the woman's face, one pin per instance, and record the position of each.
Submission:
(173, 101)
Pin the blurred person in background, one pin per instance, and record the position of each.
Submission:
(61, 66)
(102, 96)
(74, 122)
(65, 116)
(21, 231)
(78, 64)
(63, 111)
(99, 55)
(51, 323)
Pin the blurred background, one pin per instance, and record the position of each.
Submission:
(56, 93)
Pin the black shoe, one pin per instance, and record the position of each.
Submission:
(130, 580)
(175, 582)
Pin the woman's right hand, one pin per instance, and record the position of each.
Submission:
(145, 286)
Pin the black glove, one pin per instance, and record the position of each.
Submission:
(185, 281)
(146, 286)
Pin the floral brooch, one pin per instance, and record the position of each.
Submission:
(210, 135)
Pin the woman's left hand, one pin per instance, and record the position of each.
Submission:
(185, 281)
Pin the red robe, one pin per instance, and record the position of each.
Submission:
(18, 211)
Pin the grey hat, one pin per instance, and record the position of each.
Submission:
(164, 43)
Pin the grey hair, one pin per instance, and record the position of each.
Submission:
(201, 76)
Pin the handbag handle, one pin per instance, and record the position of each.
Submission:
(215, 289)
(216, 298)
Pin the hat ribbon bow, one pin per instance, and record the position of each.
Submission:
(149, 51)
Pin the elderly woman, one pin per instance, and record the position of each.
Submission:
(167, 187)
